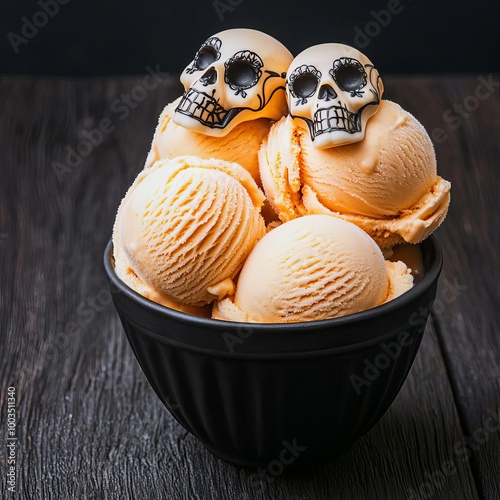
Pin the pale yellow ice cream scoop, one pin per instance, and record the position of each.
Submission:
(185, 228)
(387, 184)
(311, 268)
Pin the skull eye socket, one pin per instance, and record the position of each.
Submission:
(243, 71)
(303, 82)
(305, 85)
(208, 53)
(349, 74)
(205, 57)
(241, 74)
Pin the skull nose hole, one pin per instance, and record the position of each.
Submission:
(326, 92)
(209, 77)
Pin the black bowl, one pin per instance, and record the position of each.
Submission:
(278, 394)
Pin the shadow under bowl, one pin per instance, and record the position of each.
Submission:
(282, 394)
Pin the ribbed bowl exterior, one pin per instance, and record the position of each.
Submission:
(248, 397)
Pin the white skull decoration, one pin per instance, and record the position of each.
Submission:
(237, 75)
(335, 89)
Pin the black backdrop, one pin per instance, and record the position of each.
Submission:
(77, 37)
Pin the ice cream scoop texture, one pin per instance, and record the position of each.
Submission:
(187, 225)
(386, 184)
(311, 268)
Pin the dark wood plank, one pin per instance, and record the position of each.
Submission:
(89, 426)
(468, 318)
(397, 458)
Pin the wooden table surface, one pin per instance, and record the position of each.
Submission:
(87, 424)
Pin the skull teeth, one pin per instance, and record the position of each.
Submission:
(203, 108)
(335, 118)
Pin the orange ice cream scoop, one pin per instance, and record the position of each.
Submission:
(185, 228)
(311, 268)
(240, 145)
(387, 184)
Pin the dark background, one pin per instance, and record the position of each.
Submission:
(111, 37)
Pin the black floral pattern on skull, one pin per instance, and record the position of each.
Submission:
(208, 53)
(303, 82)
(243, 71)
(334, 89)
(236, 75)
(349, 75)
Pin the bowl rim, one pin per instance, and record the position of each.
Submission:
(430, 277)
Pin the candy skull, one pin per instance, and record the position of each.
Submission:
(237, 75)
(335, 89)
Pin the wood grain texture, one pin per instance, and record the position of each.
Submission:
(89, 426)
(468, 317)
